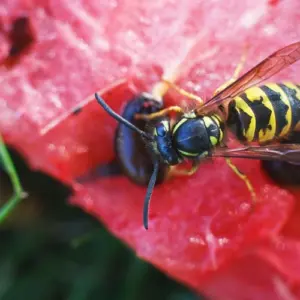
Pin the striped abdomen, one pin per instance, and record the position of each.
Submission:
(266, 112)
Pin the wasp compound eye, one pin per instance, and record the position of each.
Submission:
(161, 130)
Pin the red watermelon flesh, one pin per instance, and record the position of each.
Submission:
(250, 278)
(201, 231)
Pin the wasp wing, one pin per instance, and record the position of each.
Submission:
(267, 68)
(281, 152)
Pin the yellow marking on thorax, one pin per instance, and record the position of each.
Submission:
(218, 120)
(210, 121)
(184, 153)
(213, 140)
(253, 94)
(207, 121)
(180, 122)
(241, 105)
(284, 98)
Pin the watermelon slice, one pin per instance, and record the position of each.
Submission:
(202, 230)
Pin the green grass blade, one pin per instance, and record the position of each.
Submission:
(18, 193)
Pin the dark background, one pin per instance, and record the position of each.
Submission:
(51, 250)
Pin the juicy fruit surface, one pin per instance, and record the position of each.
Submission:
(202, 230)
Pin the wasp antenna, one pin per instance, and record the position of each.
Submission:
(120, 119)
(149, 192)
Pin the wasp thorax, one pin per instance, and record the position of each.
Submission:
(163, 143)
(195, 137)
(191, 137)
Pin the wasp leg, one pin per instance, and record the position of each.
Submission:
(159, 90)
(236, 73)
(183, 92)
(242, 176)
(174, 171)
(161, 113)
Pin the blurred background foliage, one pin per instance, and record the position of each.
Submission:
(51, 250)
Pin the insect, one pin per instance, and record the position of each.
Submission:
(258, 115)
(131, 155)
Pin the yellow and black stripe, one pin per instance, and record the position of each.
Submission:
(266, 112)
(216, 139)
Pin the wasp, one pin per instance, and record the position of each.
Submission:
(259, 115)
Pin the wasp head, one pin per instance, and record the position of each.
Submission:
(163, 145)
